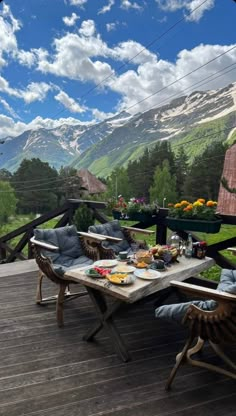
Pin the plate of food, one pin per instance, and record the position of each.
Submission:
(106, 263)
(141, 265)
(97, 272)
(120, 278)
(124, 268)
(148, 274)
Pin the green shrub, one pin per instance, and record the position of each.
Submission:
(83, 218)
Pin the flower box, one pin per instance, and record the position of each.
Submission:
(176, 224)
(140, 216)
(116, 215)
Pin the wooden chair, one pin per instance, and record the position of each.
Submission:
(73, 249)
(117, 238)
(217, 327)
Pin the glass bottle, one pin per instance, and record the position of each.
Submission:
(189, 247)
(175, 241)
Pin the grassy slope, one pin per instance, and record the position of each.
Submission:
(194, 141)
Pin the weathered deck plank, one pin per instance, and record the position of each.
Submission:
(45, 370)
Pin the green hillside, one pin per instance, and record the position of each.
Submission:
(124, 145)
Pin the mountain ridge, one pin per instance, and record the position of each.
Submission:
(113, 142)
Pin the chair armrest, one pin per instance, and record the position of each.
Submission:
(107, 237)
(232, 250)
(139, 230)
(203, 292)
(46, 246)
(92, 236)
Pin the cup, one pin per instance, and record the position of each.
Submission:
(123, 255)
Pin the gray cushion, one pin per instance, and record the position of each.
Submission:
(176, 312)
(66, 238)
(113, 229)
(71, 263)
(227, 281)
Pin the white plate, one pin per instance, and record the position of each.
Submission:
(105, 263)
(124, 268)
(147, 274)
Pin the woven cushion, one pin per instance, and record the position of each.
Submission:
(66, 238)
(113, 229)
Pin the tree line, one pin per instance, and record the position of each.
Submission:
(164, 175)
(159, 175)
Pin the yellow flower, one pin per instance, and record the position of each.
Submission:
(178, 205)
(197, 203)
(184, 203)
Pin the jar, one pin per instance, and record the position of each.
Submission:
(199, 249)
(175, 241)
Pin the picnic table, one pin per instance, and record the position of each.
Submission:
(99, 288)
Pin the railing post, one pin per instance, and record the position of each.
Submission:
(3, 254)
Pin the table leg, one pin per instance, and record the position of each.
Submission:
(105, 315)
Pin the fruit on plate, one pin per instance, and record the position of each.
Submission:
(159, 251)
(117, 277)
(101, 271)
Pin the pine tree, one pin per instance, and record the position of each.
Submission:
(163, 189)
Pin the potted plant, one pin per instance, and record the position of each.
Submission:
(119, 208)
(139, 210)
(197, 216)
(136, 209)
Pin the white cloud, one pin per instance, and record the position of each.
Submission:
(25, 58)
(74, 54)
(11, 128)
(110, 27)
(197, 9)
(107, 8)
(77, 2)
(8, 108)
(127, 4)
(87, 28)
(193, 9)
(33, 92)
(150, 78)
(134, 51)
(101, 115)
(70, 20)
(69, 102)
(8, 26)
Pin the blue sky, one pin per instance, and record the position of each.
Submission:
(70, 61)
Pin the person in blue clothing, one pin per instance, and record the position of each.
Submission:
(176, 312)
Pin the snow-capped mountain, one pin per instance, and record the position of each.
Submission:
(193, 121)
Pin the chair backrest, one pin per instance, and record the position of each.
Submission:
(112, 229)
(66, 238)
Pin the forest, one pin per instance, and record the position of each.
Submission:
(159, 175)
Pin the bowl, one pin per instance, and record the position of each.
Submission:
(144, 256)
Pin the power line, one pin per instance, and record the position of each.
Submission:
(180, 79)
(137, 54)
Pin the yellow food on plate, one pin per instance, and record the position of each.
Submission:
(117, 277)
(141, 265)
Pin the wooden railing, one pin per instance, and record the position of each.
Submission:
(8, 253)
(65, 213)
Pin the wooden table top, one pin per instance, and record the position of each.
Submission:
(142, 288)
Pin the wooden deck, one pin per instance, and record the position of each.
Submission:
(49, 371)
